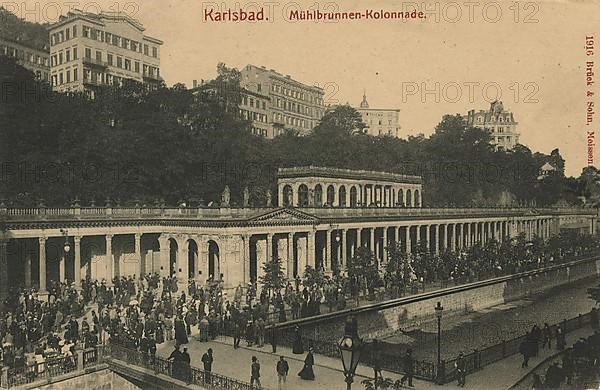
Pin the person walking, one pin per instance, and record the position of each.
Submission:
(409, 367)
(282, 372)
(297, 347)
(255, 372)
(186, 366)
(207, 360)
(461, 367)
(273, 333)
(307, 372)
(546, 336)
(524, 349)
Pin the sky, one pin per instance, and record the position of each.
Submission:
(460, 57)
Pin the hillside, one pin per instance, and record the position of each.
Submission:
(27, 33)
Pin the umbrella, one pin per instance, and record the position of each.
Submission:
(133, 302)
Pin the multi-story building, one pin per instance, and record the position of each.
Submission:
(500, 123)
(255, 107)
(290, 105)
(35, 59)
(380, 121)
(88, 50)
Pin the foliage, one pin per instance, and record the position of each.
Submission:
(132, 145)
(363, 266)
(273, 278)
(19, 30)
(382, 383)
(313, 278)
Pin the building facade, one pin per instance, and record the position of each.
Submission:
(89, 50)
(291, 104)
(34, 59)
(334, 187)
(380, 121)
(255, 107)
(500, 123)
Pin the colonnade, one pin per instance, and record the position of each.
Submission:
(239, 257)
(363, 194)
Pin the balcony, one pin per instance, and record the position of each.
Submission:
(152, 77)
(95, 62)
(93, 83)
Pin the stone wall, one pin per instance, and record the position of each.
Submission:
(386, 318)
(100, 380)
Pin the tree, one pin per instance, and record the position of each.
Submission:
(313, 278)
(363, 267)
(342, 121)
(273, 278)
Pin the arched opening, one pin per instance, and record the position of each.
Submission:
(173, 249)
(330, 195)
(288, 196)
(417, 199)
(400, 200)
(342, 196)
(353, 196)
(408, 199)
(192, 259)
(318, 195)
(303, 196)
(214, 263)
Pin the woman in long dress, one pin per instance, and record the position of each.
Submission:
(307, 372)
(297, 347)
(180, 331)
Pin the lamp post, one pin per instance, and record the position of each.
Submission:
(439, 309)
(350, 347)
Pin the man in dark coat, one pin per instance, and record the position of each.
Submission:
(282, 372)
(409, 368)
(207, 360)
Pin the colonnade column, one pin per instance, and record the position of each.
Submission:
(417, 235)
(453, 237)
(385, 244)
(428, 238)
(42, 263)
(3, 271)
(372, 240)
(77, 261)
(109, 258)
(27, 250)
(327, 259)
(344, 259)
(138, 253)
(246, 244)
(408, 243)
(310, 247)
(290, 255)
(437, 239)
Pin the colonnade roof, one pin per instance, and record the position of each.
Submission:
(47, 218)
(339, 173)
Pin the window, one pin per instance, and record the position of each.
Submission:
(108, 37)
(115, 40)
(61, 78)
(74, 31)
(68, 76)
(137, 67)
(67, 55)
(259, 87)
(154, 52)
(60, 58)
(264, 106)
(145, 50)
(251, 102)
(125, 43)
(74, 74)
(67, 34)
(75, 56)
(109, 59)
(98, 56)
(119, 62)
(94, 34)
(127, 64)
(88, 52)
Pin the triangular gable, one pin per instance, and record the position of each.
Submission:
(285, 215)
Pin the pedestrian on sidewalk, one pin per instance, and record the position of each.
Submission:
(260, 332)
(273, 333)
(409, 368)
(186, 363)
(297, 347)
(524, 349)
(237, 334)
(560, 338)
(546, 336)
(207, 360)
(282, 372)
(307, 372)
(376, 361)
(255, 372)
(461, 369)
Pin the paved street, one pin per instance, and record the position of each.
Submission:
(328, 371)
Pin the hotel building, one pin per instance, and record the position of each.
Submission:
(380, 121)
(289, 104)
(500, 123)
(89, 50)
(34, 59)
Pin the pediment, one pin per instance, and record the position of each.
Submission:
(285, 215)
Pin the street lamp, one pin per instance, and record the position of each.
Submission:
(439, 309)
(67, 245)
(350, 347)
